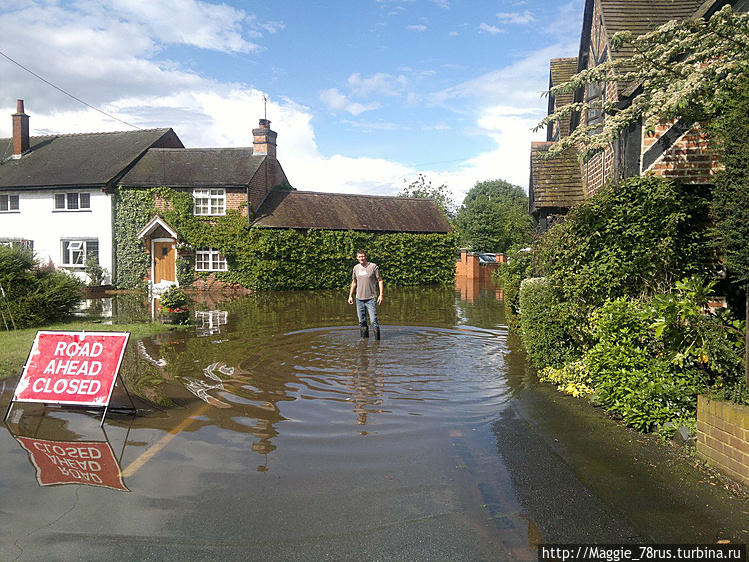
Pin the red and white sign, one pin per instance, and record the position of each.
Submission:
(72, 368)
(64, 462)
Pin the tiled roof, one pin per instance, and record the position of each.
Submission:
(90, 159)
(194, 167)
(555, 182)
(334, 211)
(640, 17)
(561, 70)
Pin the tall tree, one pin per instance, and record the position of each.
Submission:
(695, 70)
(422, 188)
(494, 217)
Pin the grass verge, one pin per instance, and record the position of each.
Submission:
(16, 344)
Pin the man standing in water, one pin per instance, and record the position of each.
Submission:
(364, 278)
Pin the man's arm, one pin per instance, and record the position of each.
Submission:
(381, 285)
(351, 291)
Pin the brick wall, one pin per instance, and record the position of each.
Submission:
(689, 159)
(598, 171)
(210, 283)
(235, 198)
(723, 437)
(275, 177)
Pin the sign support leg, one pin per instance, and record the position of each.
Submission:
(8, 410)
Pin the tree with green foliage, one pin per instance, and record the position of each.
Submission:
(494, 217)
(421, 188)
(33, 294)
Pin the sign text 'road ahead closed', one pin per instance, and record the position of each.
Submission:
(72, 368)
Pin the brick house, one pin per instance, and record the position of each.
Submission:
(676, 150)
(218, 179)
(246, 179)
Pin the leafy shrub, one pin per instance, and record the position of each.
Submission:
(33, 294)
(545, 324)
(633, 380)
(632, 239)
(174, 299)
(572, 378)
(651, 358)
(691, 337)
(509, 275)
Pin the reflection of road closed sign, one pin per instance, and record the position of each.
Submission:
(63, 462)
(72, 368)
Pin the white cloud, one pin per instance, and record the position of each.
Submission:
(416, 27)
(516, 17)
(379, 83)
(491, 29)
(190, 22)
(339, 102)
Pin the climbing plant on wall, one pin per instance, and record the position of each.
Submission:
(270, 259)
(132, 211)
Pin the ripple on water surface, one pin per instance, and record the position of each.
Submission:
(322, 384)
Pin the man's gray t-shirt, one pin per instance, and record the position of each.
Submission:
(366, 280)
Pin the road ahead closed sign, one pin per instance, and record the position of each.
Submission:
(72, 368)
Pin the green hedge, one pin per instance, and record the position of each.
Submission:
(545, 324)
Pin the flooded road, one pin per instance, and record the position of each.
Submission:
(273, 432)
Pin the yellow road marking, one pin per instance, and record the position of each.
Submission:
(163, 442)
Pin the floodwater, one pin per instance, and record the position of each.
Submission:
(269, 430)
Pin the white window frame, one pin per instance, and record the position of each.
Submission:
(209, 202)
(71, 201)
(213, 258)
(9, 200)
(71, 246)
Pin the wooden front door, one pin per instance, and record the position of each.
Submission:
(164, 262)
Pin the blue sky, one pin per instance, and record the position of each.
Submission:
(364, 94)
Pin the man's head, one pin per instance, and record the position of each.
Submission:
(361, 256)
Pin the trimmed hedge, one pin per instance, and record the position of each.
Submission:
(545, 323)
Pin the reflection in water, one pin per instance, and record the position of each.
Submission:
(366, 385)
(309, 382)
(209, 322)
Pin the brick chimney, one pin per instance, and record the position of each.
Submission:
(20, 130)
(264, 140)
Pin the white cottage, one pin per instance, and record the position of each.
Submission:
(56, 191)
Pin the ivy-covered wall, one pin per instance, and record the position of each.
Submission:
(269, 259)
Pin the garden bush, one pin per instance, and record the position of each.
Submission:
(510, 275)
(652, 357)
(34, 294)
(545, 324)
(632, 239)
